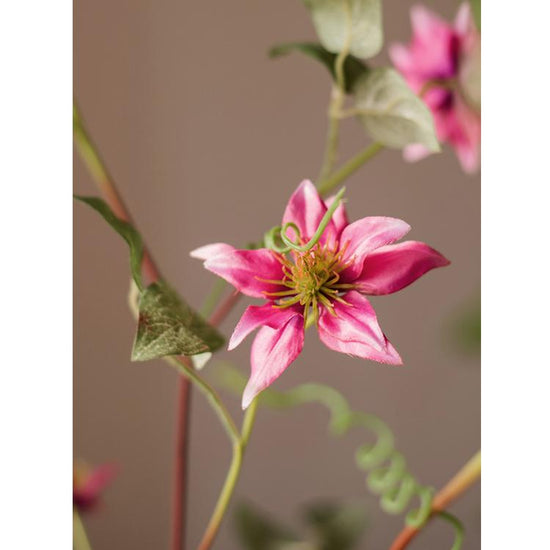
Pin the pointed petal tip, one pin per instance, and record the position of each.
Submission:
(250, 392)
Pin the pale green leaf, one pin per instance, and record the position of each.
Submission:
(356, 23)
(391, 113)
(168, 326)
(125, 230)
(353, 67)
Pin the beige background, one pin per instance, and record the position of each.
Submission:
(207, 138)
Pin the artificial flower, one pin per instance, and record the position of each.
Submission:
(324, 284)
(442, 64)
(89, 482)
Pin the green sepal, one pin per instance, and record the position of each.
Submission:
(125, 230)
(353, 67)
(167, 325)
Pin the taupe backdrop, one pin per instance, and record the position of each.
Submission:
(206, 138)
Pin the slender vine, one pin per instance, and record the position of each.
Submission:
(387, 476)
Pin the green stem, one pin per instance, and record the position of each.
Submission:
(181, 365)
(327, 185)
(338, 96)
(80, 538)
(331, 146)
(231, 478)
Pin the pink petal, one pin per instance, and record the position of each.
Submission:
(365, 235)
(88, 492)
(432, 51)
(256, 316)
(401, 57)
(415, 152)
(306, 209)
(247, 270)
(340, 216)
(355, 331)
(272, 352)
(426, 24)
(464, 22)
(210, 250)
(391, 268)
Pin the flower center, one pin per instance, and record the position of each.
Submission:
(312, 279)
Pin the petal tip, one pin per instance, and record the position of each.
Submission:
(250, 392)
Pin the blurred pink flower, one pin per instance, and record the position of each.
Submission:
(442, 64)
(89, 483)
(324, 285)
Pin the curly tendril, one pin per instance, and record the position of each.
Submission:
(280, 233)
(387, 469)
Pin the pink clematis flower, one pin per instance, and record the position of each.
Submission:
(324, 284)
(442, 64)
(89, 483)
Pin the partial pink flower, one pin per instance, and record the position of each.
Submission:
(89, 483)
(324, 285)
(441, 64)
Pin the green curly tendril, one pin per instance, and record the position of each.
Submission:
(388, 476)
(278, 233)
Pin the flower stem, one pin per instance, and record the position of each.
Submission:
(231, 478)
(327, 185)
(93, 161)
(90, 155)
(80, 538)
(338, 96)
(466, 476)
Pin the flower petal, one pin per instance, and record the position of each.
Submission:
(272, 352)
(365, 235)
(248, 270)
(340, 216)
(87, 492)
(306, 209)
(415, 152)
(355, 331)
(391, 268)
(210, 250)
(256, 316)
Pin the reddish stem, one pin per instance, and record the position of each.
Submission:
(179, 503)
(463, 479)
(224, 309)
(105, 182)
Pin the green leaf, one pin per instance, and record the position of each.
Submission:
(357, 22)
(125, 230)
(258, 532)
(476, 12)
(337, 527)
(168, 326)
(391, 112)
(353, 67)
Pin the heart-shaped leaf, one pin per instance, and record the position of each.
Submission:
(391, 113)
(169, 326)
(353, 67)
(355, 23)
(125, 230)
